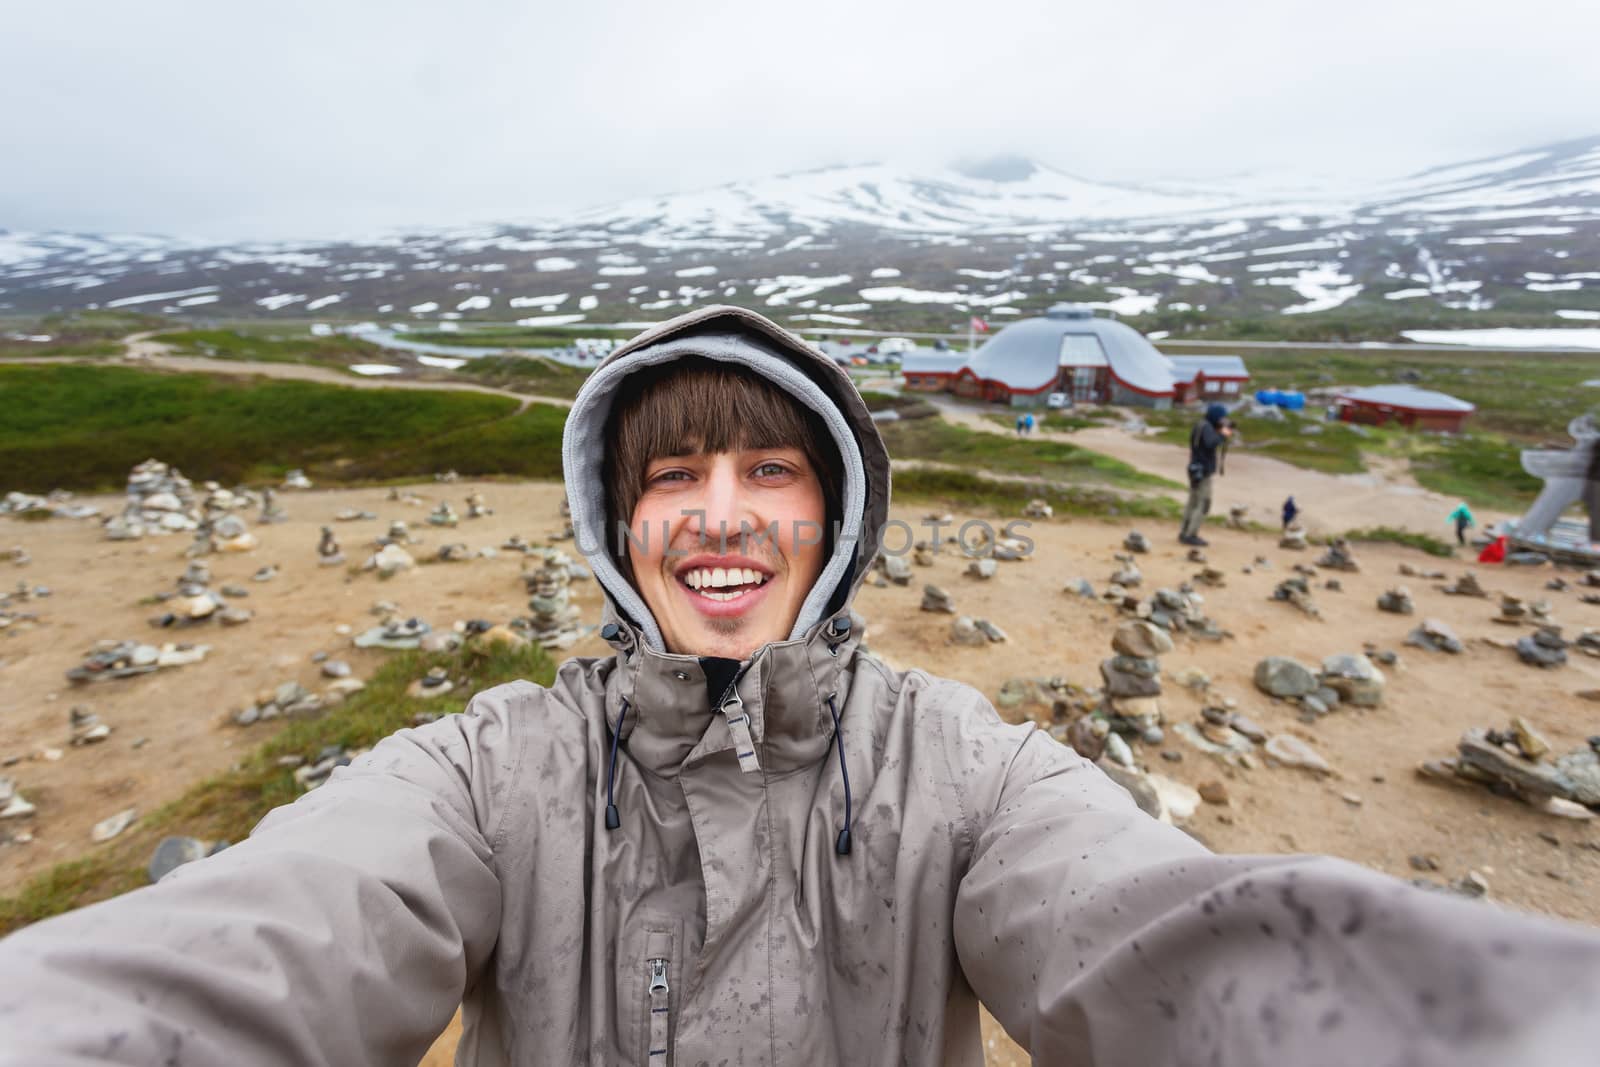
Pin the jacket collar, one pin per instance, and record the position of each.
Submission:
(670, 725)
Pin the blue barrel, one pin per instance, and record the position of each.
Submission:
(1267, 396)
(1292, 401)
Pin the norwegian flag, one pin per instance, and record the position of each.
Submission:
(979, 325)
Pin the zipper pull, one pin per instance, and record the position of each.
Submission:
(744, 746)
(658, 975)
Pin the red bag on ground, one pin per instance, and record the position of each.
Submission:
(1494, 551)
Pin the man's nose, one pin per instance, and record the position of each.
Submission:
(726, 505)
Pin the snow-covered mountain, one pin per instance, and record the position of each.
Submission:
(1517, 234)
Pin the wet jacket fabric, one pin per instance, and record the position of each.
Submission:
(718, 923)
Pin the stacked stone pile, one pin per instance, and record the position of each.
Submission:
(1519, 762)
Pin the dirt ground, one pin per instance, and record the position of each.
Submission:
(172, 728)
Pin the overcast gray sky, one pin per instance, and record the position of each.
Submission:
(304, 119)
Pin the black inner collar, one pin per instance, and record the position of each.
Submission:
(720, 675)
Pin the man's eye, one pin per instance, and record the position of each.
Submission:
(668, 476)
(771, 470)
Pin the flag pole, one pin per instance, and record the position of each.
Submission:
(971, 333)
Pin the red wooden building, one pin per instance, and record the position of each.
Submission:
(1418, 409)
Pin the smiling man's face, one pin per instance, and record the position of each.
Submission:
(725, 547)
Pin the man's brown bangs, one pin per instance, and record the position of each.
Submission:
(700, 405)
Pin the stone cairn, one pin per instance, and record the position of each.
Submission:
(552, 619)
(1294, 539)
(1338, 557)
(296, 479)
(1518, 762)
(1397, 601)
(1297, 591)
(1544, 647)
(476, 508)
(329, 554)
(1132, 679)
(443, 515)
(398, 534)
(1466, 585)
(159, 500)
(271, 510)
(1038, 508)
(1136, 542)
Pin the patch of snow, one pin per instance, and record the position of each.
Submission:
(588, 303)
(1128, 302)
(1322, 288)
(990, 274)
(538, 301)
(443, 362)
(425, 308)
(551, 320)
(885, 272)
(475, 303)
(1407, 294)
(555, 263)
(787, 288)
(1508, 337)
(696, 272)
(892, 293)
(196, 301)
(323, 301)
(280, 300)
(373, 370)
(1553, 287)
(818, 316)
(619, 272)
(1536, 231)
(129, 301)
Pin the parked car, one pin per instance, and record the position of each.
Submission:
(1058, 400)
(895, 346)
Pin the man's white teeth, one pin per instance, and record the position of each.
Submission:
(704, 578)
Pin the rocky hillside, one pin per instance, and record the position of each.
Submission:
(1512, 240)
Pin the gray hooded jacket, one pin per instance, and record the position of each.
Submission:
(719, 923)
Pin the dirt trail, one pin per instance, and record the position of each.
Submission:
(1386, 495)
(145, 352)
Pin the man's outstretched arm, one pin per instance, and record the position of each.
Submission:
(344, 931)
(1097, 935)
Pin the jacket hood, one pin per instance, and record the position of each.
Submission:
(732, 335)
(1215, 414)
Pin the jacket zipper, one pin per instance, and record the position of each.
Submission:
(660, 1013)
(744, 746)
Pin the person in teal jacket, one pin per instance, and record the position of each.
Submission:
(1462, 517)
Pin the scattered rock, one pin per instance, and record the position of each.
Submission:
(1214, 792)
(989, 630)
(389, 561)
(1436, 635)
(1280, 676)
(1037, 508)
(1354, 678)
(174, 852)
(394, 634)
(1136, 542)
(964, 631)
(106, 829)
(936, 599)
(1293, 752)
(1141, 639)
(982, 568)
(1293, 539)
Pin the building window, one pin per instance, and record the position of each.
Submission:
(1082, 350)
(1230, 387)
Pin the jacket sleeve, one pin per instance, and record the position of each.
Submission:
(344, 931)
(1098, 935)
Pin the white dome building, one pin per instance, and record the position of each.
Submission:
(1092, 360)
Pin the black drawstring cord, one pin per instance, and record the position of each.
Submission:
(614, 820)
(842, 845)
